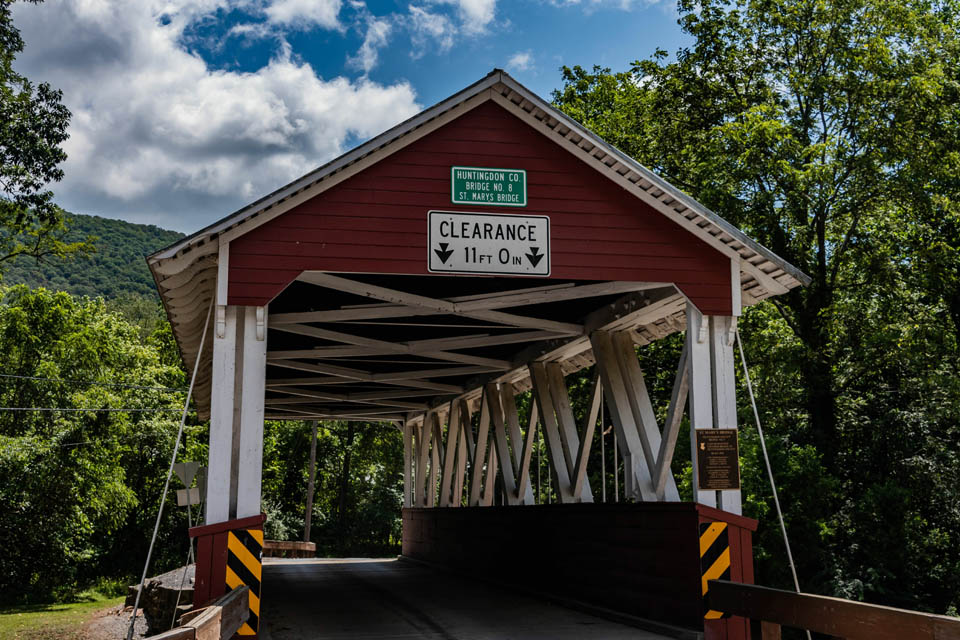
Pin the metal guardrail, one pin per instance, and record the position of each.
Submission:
(839, 618)
(219, 621)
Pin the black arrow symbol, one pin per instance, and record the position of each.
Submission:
(534, 256)
(443, 253)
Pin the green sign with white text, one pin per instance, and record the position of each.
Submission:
(487, 185)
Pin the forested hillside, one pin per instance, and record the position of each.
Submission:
(114, 269)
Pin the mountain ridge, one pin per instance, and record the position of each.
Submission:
(116, 269)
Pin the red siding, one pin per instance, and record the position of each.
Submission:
(376, 221)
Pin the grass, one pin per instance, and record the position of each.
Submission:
(43, 621)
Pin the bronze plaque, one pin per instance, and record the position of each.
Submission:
(718, 460)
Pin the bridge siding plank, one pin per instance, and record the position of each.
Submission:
(376, 220)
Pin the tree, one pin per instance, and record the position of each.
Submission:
(80, 478)
(33, 125)
(830, 131)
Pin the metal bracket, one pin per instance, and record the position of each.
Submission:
(221, 320)
(261, 324)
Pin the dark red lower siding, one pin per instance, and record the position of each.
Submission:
(639, 559)
(376, 221)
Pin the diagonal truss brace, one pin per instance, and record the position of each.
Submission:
(646, 454)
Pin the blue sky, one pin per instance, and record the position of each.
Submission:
(185, 110)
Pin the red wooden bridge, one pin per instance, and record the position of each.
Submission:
(488, 247)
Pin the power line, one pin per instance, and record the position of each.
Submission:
(91, 409)
(25, 446)
(116, 385)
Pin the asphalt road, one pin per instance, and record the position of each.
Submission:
(389, 599)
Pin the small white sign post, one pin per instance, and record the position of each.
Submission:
(488, 244)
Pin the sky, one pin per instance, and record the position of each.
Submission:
(186, 110)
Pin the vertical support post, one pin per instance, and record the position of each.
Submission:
(450, 454)
(461, 466)
(637, 481)
(551, 429)
(407, 463)
(308, 517)
(501, 443)
(524, 489)
(423, 450)
(434, 460)
(568, 429)
(253, 388)
(700, 396)
(479, 453)
(724, 392)
(221, 416)
(489, 481)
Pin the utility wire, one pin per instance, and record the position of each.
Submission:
(115, 385)
(96, 441)
(766, 458)
(173, 460)
(81, 409)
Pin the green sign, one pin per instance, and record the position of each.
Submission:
(486, 185)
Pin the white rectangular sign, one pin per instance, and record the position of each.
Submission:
(488, 244)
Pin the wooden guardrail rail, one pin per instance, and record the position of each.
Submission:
(288, 549)
(839, 618)
(219, 621)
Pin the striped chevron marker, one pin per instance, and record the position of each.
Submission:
(714, 559)
(244, 567)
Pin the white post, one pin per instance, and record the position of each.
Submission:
(724, 392)
(701, 391)
(253, 386)
(407, 463)
(221, 415)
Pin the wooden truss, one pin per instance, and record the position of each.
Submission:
(454, 392)
(452, 453)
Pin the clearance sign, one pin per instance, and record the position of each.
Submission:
(488, 244)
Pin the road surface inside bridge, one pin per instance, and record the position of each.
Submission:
(384, 599)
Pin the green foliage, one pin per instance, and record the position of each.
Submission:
(115, 269)
(358, 487)
(33, 125)
(830, 131)
(79, 489)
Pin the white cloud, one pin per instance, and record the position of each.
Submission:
(425, 26)
(521, 61)
(159, 136)
(475, 15)
(378, 34)
(427, 22)
(305, 13)
(625, 5)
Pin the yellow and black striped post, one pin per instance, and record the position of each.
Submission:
(244, 567)
(714, 559)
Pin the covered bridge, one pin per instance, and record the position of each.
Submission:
(486, 247)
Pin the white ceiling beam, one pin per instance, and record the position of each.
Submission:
(434, 304)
